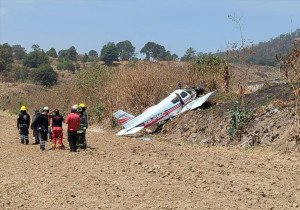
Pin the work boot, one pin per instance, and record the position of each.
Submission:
(22, 139)
(42, 148)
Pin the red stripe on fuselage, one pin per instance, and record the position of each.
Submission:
(165, 113)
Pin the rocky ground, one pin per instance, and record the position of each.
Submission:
(126, 173)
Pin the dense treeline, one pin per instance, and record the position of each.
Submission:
(18, 65)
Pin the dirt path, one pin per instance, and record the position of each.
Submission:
(124, 173)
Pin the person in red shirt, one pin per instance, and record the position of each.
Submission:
(73, 121)
(57, 131)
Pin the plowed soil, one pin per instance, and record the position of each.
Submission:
(126, 173)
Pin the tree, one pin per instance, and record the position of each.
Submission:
(35, 58)
(19, 52)
(154, 51)
(52, 53)
(44, 75)
(6, 56)
(72, 53)
(170, 57)
(36, 47)
(62, 54)
(148, 50)
(69, 54)
(109, 53)
(175, 57)
(93, 53)
(125, 50)
(190, 54)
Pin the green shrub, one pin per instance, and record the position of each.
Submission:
(211, 69)
(44, 75)
(35, 59)
(66, 65)
(239, 117)
(19, 73)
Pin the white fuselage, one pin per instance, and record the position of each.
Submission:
(167, 108)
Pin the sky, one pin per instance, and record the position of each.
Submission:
(175, 24)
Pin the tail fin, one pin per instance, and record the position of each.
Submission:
(123, 117)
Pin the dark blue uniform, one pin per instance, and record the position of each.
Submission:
(23, 123)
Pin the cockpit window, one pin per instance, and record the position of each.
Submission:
(175, 100)
(183, 94)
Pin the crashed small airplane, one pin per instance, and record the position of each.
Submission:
(176, 103)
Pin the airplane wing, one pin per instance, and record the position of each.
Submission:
(198, 102)
(128, 132)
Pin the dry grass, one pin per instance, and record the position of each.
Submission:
(132, 87)
(137, 87)
(290, 66)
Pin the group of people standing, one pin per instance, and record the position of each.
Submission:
(48, 125)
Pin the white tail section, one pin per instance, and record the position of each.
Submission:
(123, 117)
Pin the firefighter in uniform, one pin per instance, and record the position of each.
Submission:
(82, 144)
(35, 127)
(23, 123)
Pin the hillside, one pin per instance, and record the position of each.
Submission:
(264, 53)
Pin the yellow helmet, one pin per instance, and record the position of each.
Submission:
(23, 108)
(82, 105)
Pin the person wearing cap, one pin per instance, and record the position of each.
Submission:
(57, 131)
(23, 123)
(47, 111)
(73, 121)
(83, 126)
(35, 127)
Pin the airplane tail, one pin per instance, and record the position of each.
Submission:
(123, 117)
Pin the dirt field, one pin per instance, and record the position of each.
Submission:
(124, 173)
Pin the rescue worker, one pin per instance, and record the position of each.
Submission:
(23, 123)
(34, 126)
(42, 123)
(83, 108)
(57, 131)
(82, 127)
(73, 121)
(46, 109)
